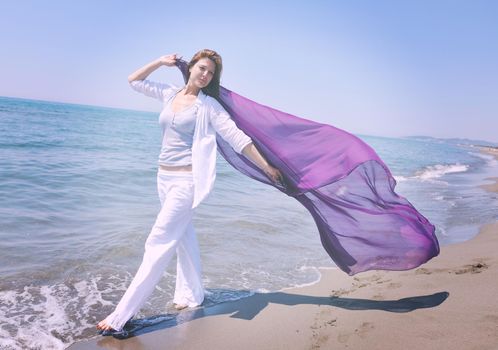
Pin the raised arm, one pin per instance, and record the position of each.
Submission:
(159, 91)
(145, 71)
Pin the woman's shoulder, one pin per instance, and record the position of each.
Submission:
(210, 101)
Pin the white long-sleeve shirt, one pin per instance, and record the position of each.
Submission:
(211, 119)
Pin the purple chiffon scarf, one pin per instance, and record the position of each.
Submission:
(349, 191)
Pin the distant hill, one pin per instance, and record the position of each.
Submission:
(458, 141)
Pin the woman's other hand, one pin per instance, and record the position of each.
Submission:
(251, 152)
(274, 174)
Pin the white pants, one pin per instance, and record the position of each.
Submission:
(173, 230)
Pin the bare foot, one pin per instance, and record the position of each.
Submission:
(103, 326)
(180, 306)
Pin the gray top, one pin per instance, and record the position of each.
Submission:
(178, 134)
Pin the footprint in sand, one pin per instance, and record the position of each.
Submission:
(394, 285)
(424, 271)
(473, 268)
(360, 282)
(343, 338)
(361, 332)
(378, 297)
(492, 318)
(339, 292)
(373, 278)
(319, 336)
(364, 329)
(383, 281)
(476, 267)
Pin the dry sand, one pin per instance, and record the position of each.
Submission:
(488, 149)
(451, 302)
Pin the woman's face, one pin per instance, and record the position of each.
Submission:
(202, 72)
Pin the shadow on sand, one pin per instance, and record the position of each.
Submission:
(248, 308)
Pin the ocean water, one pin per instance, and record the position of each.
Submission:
(78, 198)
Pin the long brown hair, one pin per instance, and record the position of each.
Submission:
(213, 88)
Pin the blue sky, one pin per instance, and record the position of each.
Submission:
(387, 68)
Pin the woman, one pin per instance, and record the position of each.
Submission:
(190, 120)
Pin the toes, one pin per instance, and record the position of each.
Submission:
(103, 326)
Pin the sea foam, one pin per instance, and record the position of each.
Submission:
(439, 170)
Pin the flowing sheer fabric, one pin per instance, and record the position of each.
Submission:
(349, 191)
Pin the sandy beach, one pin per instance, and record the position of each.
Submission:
(489, 150)
(448, 303)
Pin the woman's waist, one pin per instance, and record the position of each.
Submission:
(175, 168)
(175, 158)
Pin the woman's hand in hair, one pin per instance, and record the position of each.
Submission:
(169, 60)
(142, 73)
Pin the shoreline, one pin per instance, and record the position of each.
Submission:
(493, 151)
(488, 149)
(449, 299)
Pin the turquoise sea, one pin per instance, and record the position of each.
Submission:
(78, 198)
